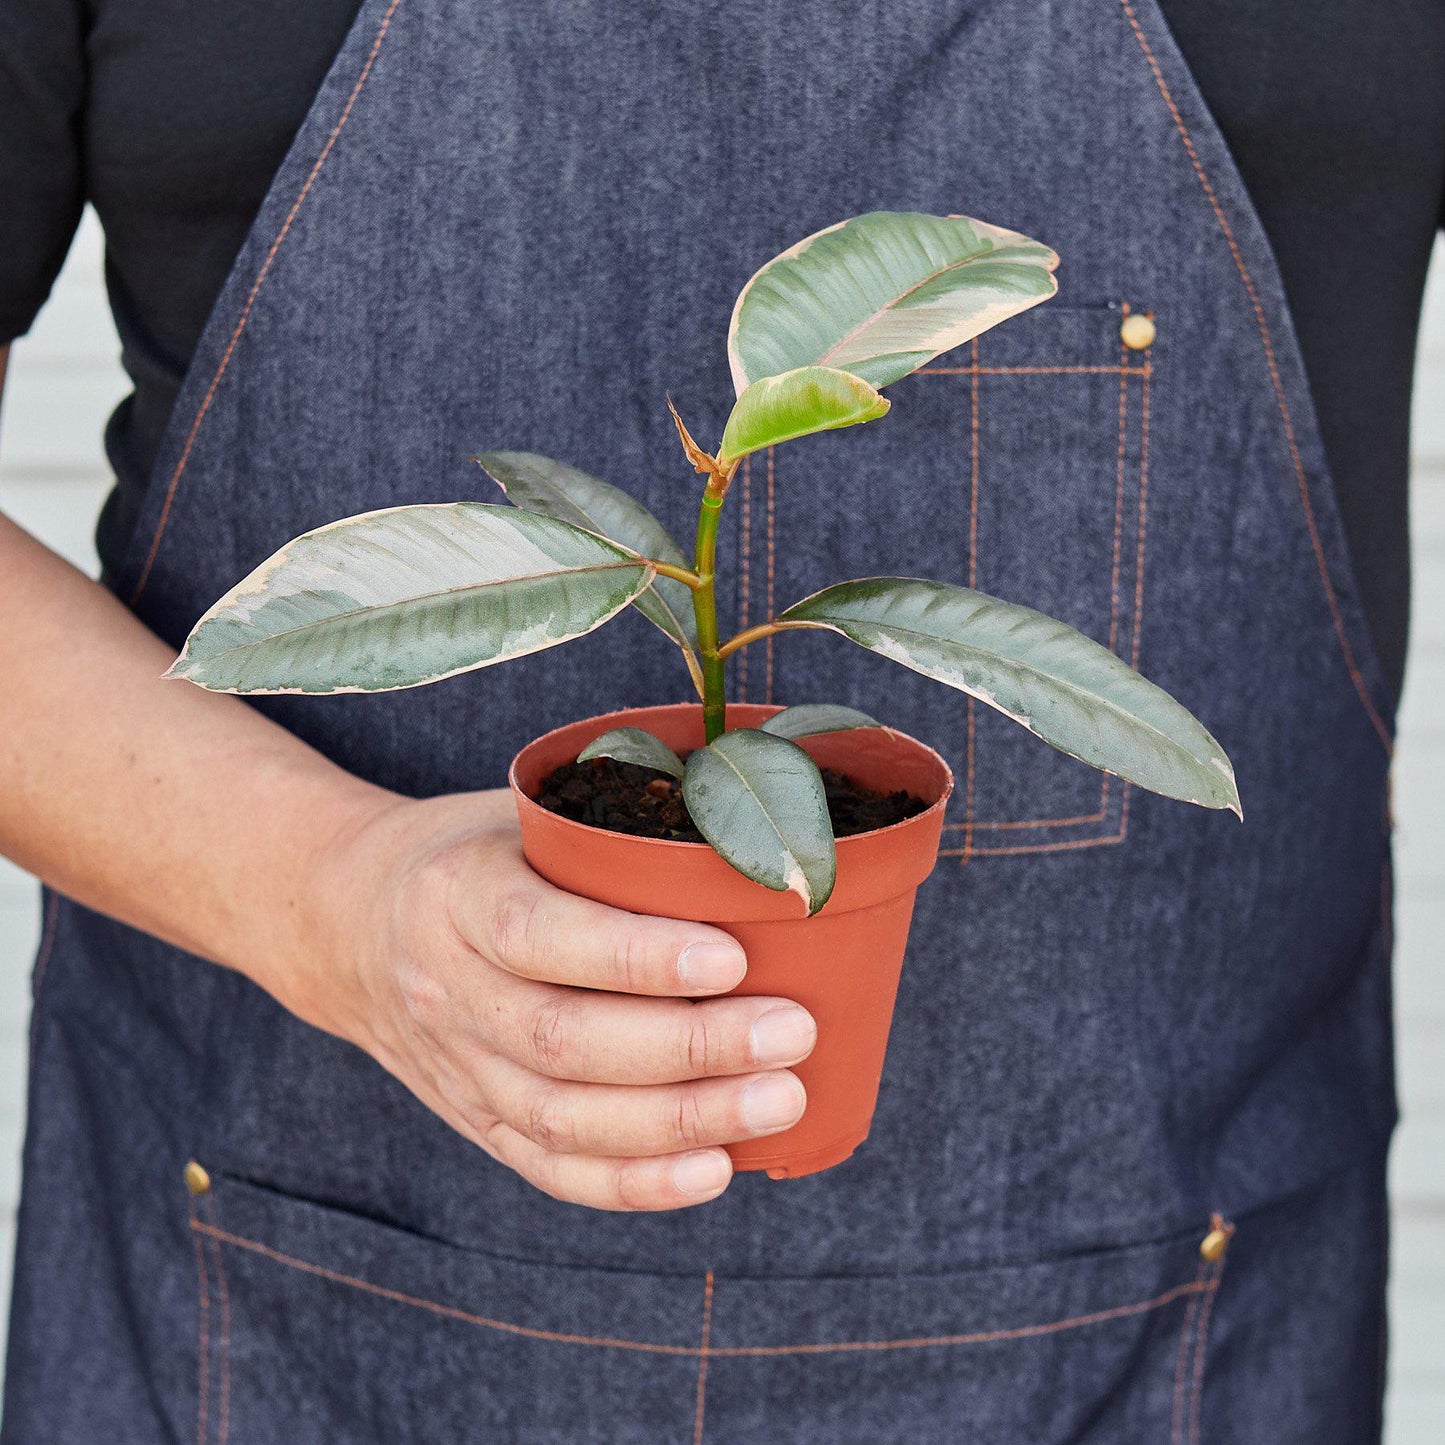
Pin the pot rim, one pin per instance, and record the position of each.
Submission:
(556, 819)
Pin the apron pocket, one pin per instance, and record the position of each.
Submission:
(318, 1325)
(1091, 1349)
(1017, 465)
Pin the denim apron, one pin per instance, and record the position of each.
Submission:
(1124, 1180)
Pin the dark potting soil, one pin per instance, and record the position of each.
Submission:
(625, 798)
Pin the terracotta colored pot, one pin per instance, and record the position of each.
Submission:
(842, 965)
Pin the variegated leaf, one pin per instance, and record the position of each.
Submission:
(409, 595)
(1056, 682)
(883, 294)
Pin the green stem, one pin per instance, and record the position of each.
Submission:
(704, 607)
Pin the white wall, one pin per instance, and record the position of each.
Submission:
(64, 379)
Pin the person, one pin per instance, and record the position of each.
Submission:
(1139, 1086)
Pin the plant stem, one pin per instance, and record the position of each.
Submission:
(704, 607)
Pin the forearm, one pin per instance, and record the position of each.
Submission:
(184, 813)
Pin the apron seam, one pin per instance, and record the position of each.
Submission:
(1107, 841)
(1119, 507)
(203, 1334)
(223, 1423)
(1196, 1287)
(1277, 381)
(1015, 825)
(255, 291)
(1032, 370)
(1201, 1350)
(1141, 531)
(702, 1358)
(1181, 1361)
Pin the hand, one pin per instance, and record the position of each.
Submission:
(575, 1043)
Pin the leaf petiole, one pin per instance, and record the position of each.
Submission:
(687, 577)
(748, 636)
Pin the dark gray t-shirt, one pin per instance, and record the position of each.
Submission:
(170, 116)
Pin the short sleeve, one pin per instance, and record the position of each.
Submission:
(42, 87)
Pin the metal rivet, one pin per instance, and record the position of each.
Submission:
(1213, 1245)
(1137, 332)
(197, 1180)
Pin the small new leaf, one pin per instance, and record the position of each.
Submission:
(809, 719)
(637, 746)
(797, 404)
(759, 800)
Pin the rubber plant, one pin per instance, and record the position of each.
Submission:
(412, 594)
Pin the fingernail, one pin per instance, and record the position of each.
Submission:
(773, 1102)
(701, 1173)
(712, 965)
(783, 1035)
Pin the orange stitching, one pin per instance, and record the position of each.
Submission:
(745, 589)
(1029, 370)
(694, 1351)
(1201, 1338)
(1119, 507)
(772, 540)
(203, 1338)
(1124, 815)
(1143, 517)
(1301, 481)
(702, 1360)
(223, 1428)
(1176, 1414)
(431, 1306)
(1044, 822)
(1201, 1342)
(1049, 847)
(251, 301)
(982, 1337)
(972, 582)
(1140, 549)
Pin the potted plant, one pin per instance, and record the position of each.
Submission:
(409, 595)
